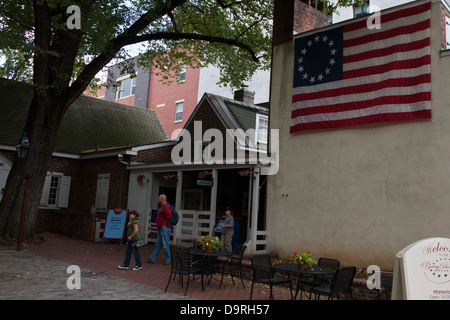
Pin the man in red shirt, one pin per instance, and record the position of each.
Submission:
(164, 229)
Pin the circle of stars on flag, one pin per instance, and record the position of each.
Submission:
(318, 77)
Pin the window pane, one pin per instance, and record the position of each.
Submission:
(179, 111)
(263, 126)
(53, 191)
(126, 88)
(182, 76)
(133, 86)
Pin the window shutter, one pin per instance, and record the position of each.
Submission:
(64, 190)
(101, 197)
(45, 191)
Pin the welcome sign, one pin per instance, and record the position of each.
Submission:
(115, 223)
(422, 271)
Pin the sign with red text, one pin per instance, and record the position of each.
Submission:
(422, 271)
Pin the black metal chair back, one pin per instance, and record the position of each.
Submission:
(264, 273)
(343, 279)
(262, 267)
(329, 263)
(182, 265)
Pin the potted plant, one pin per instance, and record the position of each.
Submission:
(303, 259)
(209, 243)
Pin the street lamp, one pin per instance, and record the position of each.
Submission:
(22, 150)
(23, 147)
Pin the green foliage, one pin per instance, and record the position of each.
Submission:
(234, 36)
(102, 21)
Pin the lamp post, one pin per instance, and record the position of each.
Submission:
(22, 150)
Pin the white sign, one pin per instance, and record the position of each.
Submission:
(422, 271)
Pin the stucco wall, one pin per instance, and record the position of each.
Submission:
(360, 194)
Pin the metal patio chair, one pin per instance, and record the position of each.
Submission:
(182, 265)
(234, 263)
(341, 283)
(317, 281)
(264, 273)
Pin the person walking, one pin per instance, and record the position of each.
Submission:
(228, 230)
(133, 235)
(164, 229)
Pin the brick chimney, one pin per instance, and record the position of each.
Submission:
(244, 95)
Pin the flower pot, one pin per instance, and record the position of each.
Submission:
(302, 266)
(208, 250)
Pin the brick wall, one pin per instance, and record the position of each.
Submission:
(77, 220)
(307, 17)
(295, 15)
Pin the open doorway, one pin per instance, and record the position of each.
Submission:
(233, 193)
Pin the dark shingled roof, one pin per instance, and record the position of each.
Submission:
(88, 124)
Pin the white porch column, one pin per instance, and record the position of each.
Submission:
(148, 206)
(179, 192)
(215, 176)
(253, 217)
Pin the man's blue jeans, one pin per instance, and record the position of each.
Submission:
(162, 238)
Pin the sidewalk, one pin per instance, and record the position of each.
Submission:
(39, 272)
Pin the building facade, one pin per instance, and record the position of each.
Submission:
(202, 188)
(361, 194)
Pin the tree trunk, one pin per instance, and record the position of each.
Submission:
(53, 65)
(42, 126)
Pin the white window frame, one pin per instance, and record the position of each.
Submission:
(62, 191)
(102, 191)
(120, 81)
(179, 112)
(364, 9)
(182, 75)
(447, 32)
(258, 127)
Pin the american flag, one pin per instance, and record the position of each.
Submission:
(352, 75)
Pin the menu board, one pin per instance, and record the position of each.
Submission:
(115, 223)
(422, 271)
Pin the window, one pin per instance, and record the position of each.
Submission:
(329, 19)
(126, 88)
(359, 11)
(55, 193)
(182, 76)
(179, 111)
(262, 127)
(447, 32)
(101, 195)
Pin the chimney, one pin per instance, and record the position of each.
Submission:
(244, 95)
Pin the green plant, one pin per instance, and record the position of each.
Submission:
(302, 257)
(208, 241)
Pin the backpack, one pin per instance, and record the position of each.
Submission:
(175, 216)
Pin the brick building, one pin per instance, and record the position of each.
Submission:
(85, 176)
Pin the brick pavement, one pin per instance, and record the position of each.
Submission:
(40, 272)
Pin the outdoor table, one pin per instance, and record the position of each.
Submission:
(312, 270)
(208, 258)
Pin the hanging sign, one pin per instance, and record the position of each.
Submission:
(422, 271)
(206, 183)
(115, 223)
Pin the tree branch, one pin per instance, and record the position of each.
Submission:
(115, 45)
(193, 36)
